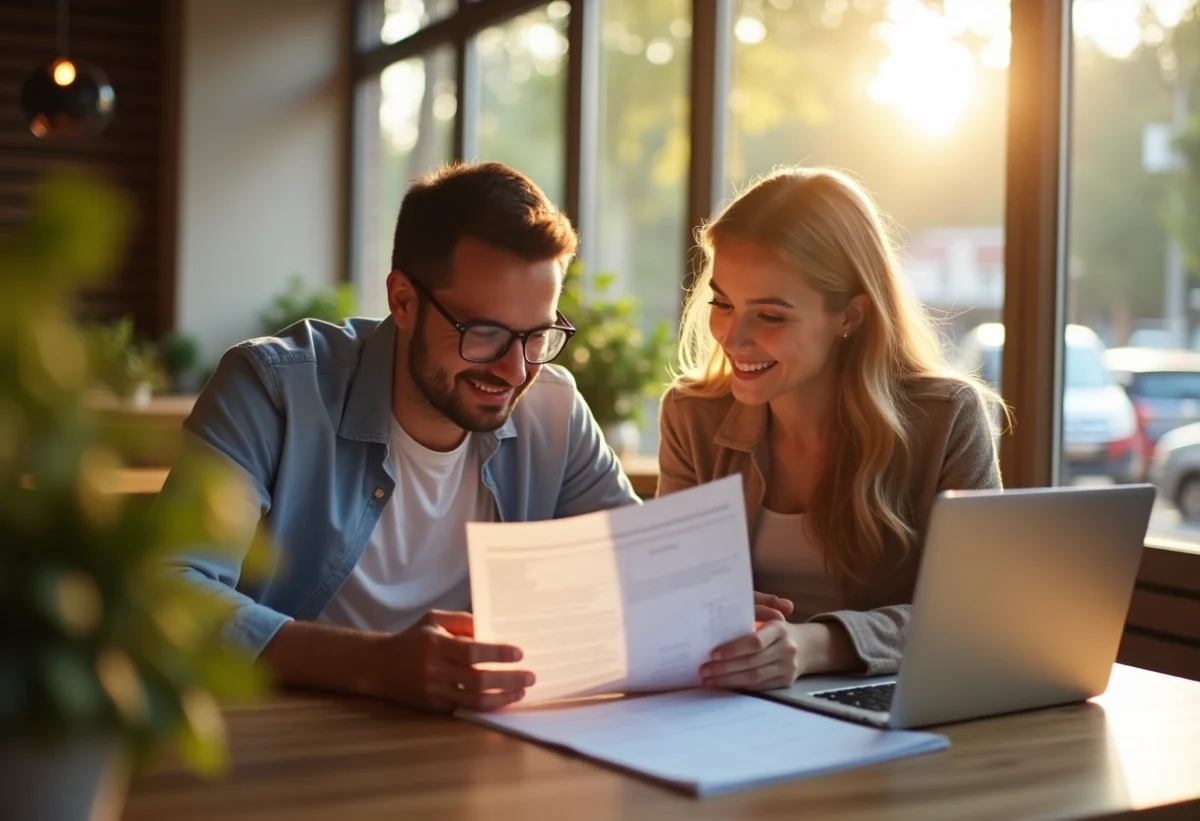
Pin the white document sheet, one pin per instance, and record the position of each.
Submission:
(626, 600)
(708, 742)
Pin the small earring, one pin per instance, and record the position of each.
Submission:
(846, 335)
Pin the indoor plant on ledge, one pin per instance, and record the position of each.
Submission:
(132, 371)
(103, 650)
(615, 364)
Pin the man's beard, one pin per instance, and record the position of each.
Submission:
(446, 397)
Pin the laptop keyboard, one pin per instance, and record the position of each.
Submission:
(876, 697)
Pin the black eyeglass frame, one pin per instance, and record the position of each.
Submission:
(561, 324)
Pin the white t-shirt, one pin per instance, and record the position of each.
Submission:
(786, 563)
(416, 558)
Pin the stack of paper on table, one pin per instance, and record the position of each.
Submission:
(708, 742)
(634, 600)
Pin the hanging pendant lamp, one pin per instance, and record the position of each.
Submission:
(66, 98)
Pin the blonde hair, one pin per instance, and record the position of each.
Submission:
(826, 226)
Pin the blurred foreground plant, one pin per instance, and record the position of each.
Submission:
(99, 638)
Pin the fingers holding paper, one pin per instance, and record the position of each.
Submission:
(453, 670)
(763, 660)
(771, 608)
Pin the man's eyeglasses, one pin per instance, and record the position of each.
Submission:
(486, 341)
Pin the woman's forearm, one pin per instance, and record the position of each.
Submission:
(825, 647)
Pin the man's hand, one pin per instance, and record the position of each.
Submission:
(432, 665)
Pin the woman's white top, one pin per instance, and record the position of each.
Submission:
(786, 562)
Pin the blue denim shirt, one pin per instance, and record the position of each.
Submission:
(306, 416)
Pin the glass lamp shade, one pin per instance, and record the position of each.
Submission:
(67, 98)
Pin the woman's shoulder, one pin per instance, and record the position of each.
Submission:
(943, 401)
(944, 391)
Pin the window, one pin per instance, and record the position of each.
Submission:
(404, 128)
(909, 97)
(1131, 251)
(381, 22)
(522, 75)
(636, 235)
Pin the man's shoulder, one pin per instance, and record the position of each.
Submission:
(322, 345)
(310, 362)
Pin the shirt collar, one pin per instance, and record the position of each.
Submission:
(744, 427)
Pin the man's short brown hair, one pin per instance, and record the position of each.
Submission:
(489, 202)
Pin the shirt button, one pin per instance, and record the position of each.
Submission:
(378, 493)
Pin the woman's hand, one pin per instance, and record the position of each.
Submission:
(760, 659)
(776, 653)
(767, 658)
(770, 608)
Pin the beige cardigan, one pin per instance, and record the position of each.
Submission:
(706, 439)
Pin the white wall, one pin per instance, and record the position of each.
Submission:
(261, 151)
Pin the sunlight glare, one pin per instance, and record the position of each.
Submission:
(995, 54)
(1112, 25)
(928, 75)
(750, 31)
(400, 21)
(401, 86)
(1170, 13)
(543, 42)
(660, 52)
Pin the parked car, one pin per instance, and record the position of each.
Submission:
(1150, 338)
(1164, 386)
(1100, 433)
(1175, 469)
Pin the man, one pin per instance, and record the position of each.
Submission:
(370, 445)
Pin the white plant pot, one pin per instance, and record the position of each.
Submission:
(79, 779)
(141, 396)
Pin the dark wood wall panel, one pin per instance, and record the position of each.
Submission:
(1162, 631)
(133, 42)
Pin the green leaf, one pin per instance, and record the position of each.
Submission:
(68, 677)
(201, 738)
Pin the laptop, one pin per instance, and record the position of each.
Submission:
(1020, 603)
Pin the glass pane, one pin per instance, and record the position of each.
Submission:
(909, 96)
(404, 127)
(1133, 252)
(522, 68)
(641, 181)
(389, 21)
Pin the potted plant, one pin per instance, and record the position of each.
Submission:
(179, 352)
(297, 302)
(104, 651)
(615, 364)
(132, 371)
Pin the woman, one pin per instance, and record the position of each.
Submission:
(808, 368)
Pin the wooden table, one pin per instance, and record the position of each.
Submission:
(641, 470)
(1133, 751)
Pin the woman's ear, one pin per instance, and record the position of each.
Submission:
(402, 300)
(855, 313)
